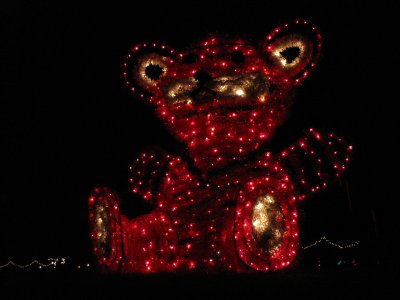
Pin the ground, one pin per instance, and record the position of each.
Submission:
(377, 282)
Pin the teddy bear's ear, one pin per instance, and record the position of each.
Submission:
(144, 67)
(292, 51)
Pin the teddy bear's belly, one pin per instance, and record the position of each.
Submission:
(233, 224)
(221, 137)
(240, 224)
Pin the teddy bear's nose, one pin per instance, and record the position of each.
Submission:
(202, 77)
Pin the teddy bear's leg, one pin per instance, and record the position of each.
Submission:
(266, 231)
(144, 244)
(105, 225)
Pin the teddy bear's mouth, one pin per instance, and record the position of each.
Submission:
(220, 107)
(227, 91)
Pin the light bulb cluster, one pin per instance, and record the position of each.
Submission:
(217, 209)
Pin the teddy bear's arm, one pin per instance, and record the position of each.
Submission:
(316, 160)
(147, 171)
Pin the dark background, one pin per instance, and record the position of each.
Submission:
(67, 121)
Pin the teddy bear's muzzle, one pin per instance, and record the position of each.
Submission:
(247, 88)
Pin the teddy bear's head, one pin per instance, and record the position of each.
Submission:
(224, 97)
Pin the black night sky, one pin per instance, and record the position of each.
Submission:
(67, 122)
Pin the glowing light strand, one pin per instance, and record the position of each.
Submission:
(52, 262)
(340, 246)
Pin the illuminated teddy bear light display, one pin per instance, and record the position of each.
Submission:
(226, 205)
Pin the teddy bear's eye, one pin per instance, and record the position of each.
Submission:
(290, 54)
(237, 57)
(190, 58)
(150, 68)
(202, 76)
(153, 72)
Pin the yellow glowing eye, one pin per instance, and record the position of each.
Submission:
(289, 54)
(292, 52)
(153, 72)
(150, 68)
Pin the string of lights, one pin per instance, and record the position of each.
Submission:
(51, 262)
(324, 239)
(54, 262)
